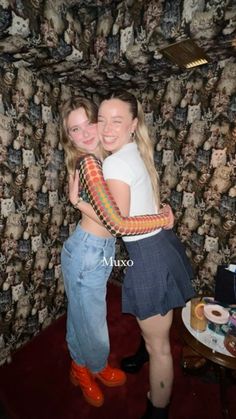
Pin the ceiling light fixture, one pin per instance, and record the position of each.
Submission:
(185, 54)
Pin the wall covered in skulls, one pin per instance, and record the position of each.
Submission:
(191, 116)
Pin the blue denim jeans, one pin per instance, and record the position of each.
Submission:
(85, 277)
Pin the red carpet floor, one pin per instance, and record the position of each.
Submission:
(35, 385)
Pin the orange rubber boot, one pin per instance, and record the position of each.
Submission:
(111, 377)
(81, 376)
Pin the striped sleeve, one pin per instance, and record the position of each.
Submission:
(92, 181)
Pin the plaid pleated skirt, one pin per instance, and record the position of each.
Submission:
(159, 278)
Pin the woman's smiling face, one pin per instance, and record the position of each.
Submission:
(82, 132)
(115, 124)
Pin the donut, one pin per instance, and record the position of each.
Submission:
(216, 313)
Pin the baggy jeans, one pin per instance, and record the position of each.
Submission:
(85, 273)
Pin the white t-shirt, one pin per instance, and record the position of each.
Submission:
(127, 165)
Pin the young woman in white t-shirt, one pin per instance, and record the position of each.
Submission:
(160, 276)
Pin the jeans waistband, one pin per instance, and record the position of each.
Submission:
(97, 240)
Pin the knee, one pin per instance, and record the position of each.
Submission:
(158, 348)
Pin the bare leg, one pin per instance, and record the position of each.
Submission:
(155, 331)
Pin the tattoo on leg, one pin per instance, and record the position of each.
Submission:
(162, 384)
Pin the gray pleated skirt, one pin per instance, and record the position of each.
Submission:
(160, 277)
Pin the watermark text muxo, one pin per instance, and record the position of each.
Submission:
(116, 262)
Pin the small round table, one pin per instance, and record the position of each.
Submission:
(209, 345)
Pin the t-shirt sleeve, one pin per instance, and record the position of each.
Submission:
(115, 168)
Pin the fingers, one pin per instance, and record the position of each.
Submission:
(74, 179)
(71, 180)
(74, 176)
(73, 186)
(166, 209)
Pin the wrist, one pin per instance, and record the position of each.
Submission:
(76, 204)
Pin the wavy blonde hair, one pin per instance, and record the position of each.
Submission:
(142, 138)
(73, 153)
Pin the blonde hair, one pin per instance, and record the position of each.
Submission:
(73, 153)
(142, 138)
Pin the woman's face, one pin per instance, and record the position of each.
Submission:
(115, 124)
(82, 132)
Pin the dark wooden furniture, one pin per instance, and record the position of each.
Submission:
(212, 349)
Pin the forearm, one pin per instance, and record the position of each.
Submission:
(105, 207)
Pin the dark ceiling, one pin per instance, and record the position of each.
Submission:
(95, 45)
